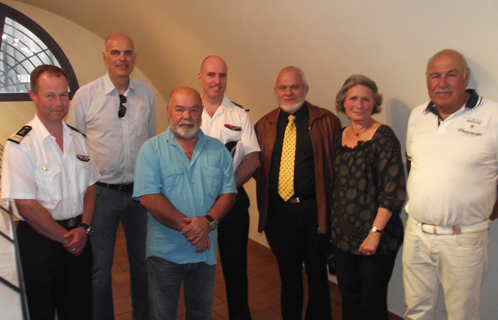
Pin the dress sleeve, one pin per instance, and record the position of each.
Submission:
(18, 172)
(390, 171)
(248, 138)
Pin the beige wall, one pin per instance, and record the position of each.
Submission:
(83, 49)
(388, 40)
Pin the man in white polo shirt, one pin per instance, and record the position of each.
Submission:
(452, 145)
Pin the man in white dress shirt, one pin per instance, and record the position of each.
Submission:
(117, 114)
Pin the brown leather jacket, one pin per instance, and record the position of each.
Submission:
(324, 125)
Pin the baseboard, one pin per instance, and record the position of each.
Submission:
(333, 284)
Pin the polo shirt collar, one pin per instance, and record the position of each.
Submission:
(471, 102)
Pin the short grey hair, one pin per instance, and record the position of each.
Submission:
(292, 68)
(351, 82)
(452, 52)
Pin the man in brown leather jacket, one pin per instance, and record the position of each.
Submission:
(297, 228)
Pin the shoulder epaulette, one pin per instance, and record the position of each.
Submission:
(19, 135)
(71, 127)
(238, 105)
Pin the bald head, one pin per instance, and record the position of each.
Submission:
(290, 89)
(118, 37)
(182, 92)
(213, 59)
(119, 56)
(453, 54)
(184, 113)
(213, 79)
(447, 78)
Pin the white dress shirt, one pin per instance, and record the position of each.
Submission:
(112, 141)
(36, 168)
(231, 123)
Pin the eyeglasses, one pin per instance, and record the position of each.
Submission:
(122, 108)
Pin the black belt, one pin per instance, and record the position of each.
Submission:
(70, 223)
(296, 200)
(120, 187)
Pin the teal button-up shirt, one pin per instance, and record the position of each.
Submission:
(192, 187)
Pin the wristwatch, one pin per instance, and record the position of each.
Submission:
(89, 229)
(212, 223)
(375, 230)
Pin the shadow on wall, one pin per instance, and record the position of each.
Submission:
(397, 113)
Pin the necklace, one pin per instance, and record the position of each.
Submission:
(368, 126)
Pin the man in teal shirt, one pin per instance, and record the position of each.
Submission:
(185, 181)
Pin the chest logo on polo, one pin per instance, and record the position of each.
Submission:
(472, 127)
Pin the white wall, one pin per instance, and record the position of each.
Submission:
(389, 41)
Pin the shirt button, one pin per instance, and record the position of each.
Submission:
(181, 171)
(192, 182)
(205, 169)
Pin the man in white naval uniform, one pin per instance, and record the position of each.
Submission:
(231, 124)
(47, 170)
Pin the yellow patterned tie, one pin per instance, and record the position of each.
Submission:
(286, 174)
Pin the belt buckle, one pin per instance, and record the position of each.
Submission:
(430, 225)
(456, 230)
(295, 200)
(71, 223)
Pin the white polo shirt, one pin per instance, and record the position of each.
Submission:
(454, 165)
(231, 123)
(36, 168)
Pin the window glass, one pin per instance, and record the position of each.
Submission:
(24, 46)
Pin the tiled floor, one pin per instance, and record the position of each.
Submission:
(264, 286)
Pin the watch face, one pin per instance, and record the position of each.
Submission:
(375, 230)
(214, 225)
(89, 231)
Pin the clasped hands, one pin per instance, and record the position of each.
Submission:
(197, 233)
(76, 238)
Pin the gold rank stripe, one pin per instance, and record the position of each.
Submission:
(19, 135)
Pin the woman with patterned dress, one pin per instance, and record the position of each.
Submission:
(369, 193)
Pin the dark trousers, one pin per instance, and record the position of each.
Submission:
(233, 232)
(54, 278)
(363, 282)
(292, 232)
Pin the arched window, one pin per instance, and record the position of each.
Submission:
(24, 45)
